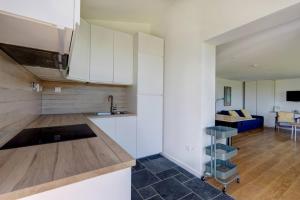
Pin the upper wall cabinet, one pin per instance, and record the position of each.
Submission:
(46, 25)
(111, 58)
(123, 58)
(49, 11)
(102, 55)
(79, 60)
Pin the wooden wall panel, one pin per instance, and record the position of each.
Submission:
(19, 105)
(81, 98)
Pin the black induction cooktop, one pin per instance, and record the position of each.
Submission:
(37, 136)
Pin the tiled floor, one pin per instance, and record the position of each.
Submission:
(157, 178)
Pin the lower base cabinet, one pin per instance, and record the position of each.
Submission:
(112, 186)
(149, 125)
(121, 129)
(126, 134)
(107, 125)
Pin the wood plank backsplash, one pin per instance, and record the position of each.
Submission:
(81, 98)
(19, 105)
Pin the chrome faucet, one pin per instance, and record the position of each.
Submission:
(113, 108)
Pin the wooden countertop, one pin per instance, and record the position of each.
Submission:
(93, 115)
(29, 170)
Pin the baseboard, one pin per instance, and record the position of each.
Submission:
(183, 165)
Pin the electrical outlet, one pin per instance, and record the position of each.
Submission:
(36, 87)
(57, 89)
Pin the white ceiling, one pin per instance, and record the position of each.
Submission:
(268, 55)
(142, 11)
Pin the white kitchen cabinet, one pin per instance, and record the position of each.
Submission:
(126, 134)
(111, 59)
(150, 74)
(148, 92)
(56, 14)
(45, 25)
(108, 186)
(79, 65)
(121, 129)
(149, 125)
(102, 55)
(106, 124)
(149, 44)
(123, 58)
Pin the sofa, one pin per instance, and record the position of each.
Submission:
(241, 124)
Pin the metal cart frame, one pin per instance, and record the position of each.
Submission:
(218, 133)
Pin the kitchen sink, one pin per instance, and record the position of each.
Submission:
(108, 113)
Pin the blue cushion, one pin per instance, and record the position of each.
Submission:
(224, 112)
(241, 114)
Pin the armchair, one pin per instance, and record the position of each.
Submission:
(284, 119)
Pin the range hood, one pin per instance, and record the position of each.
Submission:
(40, 44)
(47, 65)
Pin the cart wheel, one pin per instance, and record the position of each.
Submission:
(203, 178)
(224, 190)
(238, 180)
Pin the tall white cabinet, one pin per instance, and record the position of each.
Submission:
(149, 125)
(149, 69)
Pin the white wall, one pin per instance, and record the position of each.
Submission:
(265, 101)
(259, 99)
(189, 99)
(251, 97)
(184, 87)
(263, 95)
(236, 94)
(281, 86)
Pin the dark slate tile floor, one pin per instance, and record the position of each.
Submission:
(157, 178)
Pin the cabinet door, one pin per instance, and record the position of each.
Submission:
(60, 14)
(126, 134)
(149, 44)
(123, 58)
(107, 125)
(149, 125)
(265, 101)
(251, 97)
(150, 74)
(101, 66)
(79, 66)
